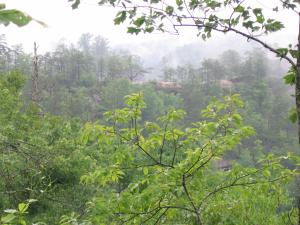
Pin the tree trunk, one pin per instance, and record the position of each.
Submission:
(35, 76)
(297, 95)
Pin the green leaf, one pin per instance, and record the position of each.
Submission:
(248, 24)
(14, 16)
(294, 53)
(257, 11)
(120, 17)
(75, 4)
(7, 218)
(293, 116)
(22, 222)
(239, 9)
(139, 21)
(149, 29)
(23, 207)
(145, 171)
(273, 26)
(260, 19)
(169, 10)
(179, 2)
(237, 118)
(290, 77)
(282, 52)
(267, 173)
(133, 30)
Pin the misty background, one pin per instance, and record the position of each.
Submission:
(157, 49)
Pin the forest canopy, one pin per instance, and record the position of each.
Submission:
(87, 138)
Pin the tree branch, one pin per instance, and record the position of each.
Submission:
(191, 200)
(248, 36)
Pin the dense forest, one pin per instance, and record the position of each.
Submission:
(87, 138)
(75, 144)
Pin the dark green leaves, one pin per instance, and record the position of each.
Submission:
(169, 10)
(290, 77)
(273, 26)
(259, 16)
(149, 29)
(294, 53)
(293, 116)
(139, 21)
(239, 9)
(133, 30)
(75, 3)
(213, 4)
(282, 52)
(248, 24)
(289, 5)
(120, 17)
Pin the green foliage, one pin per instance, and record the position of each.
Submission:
(126, 169)
(159, 172)
(290, 77)
(16, 216)
(177, 14)
(40, 157)
(134, 166)
(158, 102)
(293, 115)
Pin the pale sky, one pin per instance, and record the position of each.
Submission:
(63, 22)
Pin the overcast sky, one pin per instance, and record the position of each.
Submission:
(63, 22)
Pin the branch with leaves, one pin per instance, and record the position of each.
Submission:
(153, 190)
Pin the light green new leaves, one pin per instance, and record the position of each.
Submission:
(144, 166)
(16, 216)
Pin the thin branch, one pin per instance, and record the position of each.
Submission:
(140, 147)
(164, 141)
(178, 207)
(151, 216)
(201, 165)
(175, 148)
(248, 36)
(158, 219)
(190, 199)
(234, 184)
(289, 216)
(265, 45)
(288, 6)
(202, 150)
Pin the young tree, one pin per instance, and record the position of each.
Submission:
(163, 173)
